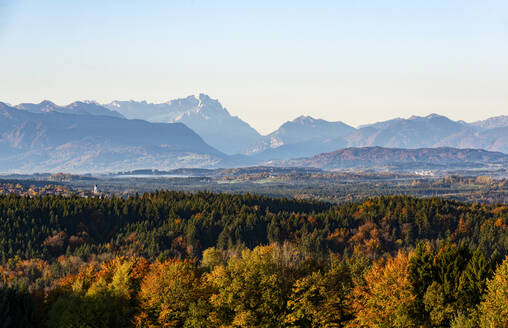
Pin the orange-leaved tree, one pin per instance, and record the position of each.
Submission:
(384, 298)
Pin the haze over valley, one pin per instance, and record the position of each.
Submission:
(344, 164)
(197, 131)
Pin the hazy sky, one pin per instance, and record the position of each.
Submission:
(266, 61)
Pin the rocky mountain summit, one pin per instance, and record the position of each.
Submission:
(206, 116)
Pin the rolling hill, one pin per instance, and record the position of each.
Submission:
(422, 158)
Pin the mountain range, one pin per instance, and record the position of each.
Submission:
(307, 136)
(204, 115)
(77, 108)
(415, 132)
(197, 131)
(57, 141)
(304, 136)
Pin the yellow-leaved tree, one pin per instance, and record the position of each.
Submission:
(384, 298)
(172, 295)
(98, 298)
(493, 311)
(249, 291)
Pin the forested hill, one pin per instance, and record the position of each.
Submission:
(177, 224)
(437, 158)
(174, 259)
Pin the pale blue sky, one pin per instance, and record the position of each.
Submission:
(266, 61)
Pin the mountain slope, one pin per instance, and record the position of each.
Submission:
(301, 137)
(215, 125)
(52, 141)
(204, 115)
(78, 108)
(142, 110)
(492, 123)
(432, 131)
(415, 132)
(382, 125)
(370, 157)
(306, 136)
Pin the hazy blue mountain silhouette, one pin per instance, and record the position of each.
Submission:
(206, 116)
(306, 136)
(414, 132)
(57, 141)
(85, 136)
(429, 131)
(78, 108)
(492, 123)
(303, 136)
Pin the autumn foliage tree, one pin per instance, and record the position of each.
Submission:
(385, 297)
(493, 310)
(139, 262)
(250, 291)
(172, 295)
(320, 299)
(98, 298)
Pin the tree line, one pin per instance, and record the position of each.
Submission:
(175, 259)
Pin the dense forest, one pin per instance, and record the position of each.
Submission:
(175, 259)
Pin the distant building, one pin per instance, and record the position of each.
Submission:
(424, 173)
(96, 190)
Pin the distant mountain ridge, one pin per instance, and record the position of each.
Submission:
(422, 158)
(303, 136)
(429, 132)
(185, 132)
(492, 123)
(415, 132)
(54, 141)
(307, 136)
(77, 108)
(206, 116)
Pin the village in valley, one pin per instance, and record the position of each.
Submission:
(31, 190)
